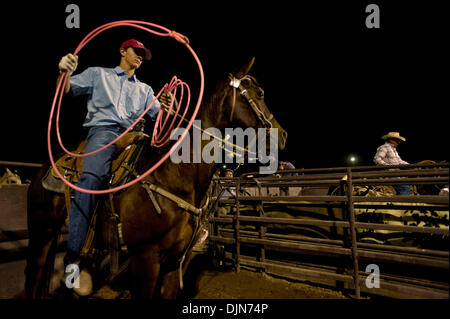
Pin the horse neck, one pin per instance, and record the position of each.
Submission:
(196, 177)
(213, 112)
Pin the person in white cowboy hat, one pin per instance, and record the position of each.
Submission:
(387, 155)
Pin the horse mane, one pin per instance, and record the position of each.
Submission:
(213, 94)
(212, 98)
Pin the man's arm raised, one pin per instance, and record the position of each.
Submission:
(67, 64)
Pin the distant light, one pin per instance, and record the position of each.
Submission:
(352, 159)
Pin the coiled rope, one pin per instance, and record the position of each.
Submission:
(162, 127)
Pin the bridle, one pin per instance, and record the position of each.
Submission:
(266, 121)
(237, 84)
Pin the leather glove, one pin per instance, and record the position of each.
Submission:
(68, 63)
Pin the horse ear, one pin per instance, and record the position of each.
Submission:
(245, 69)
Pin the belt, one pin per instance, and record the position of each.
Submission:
(139, 127)
(120, 128)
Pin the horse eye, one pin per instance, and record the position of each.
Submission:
(260, 94)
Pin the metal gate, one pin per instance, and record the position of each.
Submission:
(334, 234)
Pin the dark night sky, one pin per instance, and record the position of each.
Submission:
(334, 85)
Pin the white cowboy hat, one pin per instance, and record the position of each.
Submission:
(395, 135)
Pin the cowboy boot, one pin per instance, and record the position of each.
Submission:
(76, 275)
(86, 286)
(71, 263)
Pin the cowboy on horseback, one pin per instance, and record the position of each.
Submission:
(161, 219)
(387, 155)
(116, 98)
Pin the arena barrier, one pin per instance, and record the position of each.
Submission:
(338, 227)
(311, 228)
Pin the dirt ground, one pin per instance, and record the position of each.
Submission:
(203, 281)
(242, 285)
(251, 285)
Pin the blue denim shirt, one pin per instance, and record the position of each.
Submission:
(113, 98)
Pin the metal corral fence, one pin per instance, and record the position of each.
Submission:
(316, 227)
(287, 227)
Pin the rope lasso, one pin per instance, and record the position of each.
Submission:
(157, 138)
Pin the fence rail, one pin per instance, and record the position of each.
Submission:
(20, 164)
(349, 250)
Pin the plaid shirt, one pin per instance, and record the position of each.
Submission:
(387, 155)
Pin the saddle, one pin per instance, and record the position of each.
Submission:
(71, 167)
(128, 150)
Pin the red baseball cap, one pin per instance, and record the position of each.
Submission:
(138, 45)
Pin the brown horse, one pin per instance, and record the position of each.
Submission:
(156, 242)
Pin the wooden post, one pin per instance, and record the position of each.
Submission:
(353, 233)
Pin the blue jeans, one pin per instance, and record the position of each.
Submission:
(287, 167)
(96, 169)
(402, 190)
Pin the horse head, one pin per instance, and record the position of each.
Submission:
(246, 106)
